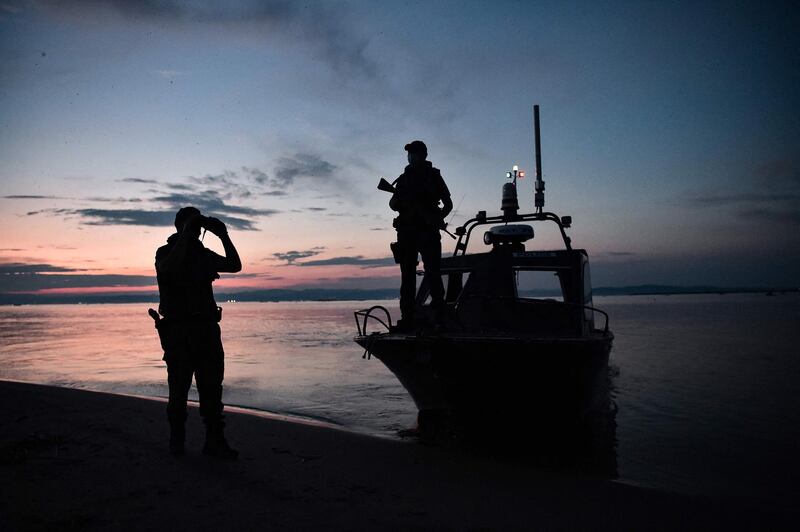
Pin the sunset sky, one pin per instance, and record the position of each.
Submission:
(671, 133)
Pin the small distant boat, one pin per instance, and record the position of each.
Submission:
(498, 359)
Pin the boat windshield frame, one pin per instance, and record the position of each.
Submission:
(464, 232)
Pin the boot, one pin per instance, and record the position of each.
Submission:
(177, 438)
(216, 445)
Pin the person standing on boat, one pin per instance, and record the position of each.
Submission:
(418, 192)
(189, 330)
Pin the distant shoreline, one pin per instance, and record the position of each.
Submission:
(647, 290)
(323, 295)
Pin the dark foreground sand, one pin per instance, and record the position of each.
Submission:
(73, 459)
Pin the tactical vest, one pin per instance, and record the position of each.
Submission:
(423, 185)
(186, 293)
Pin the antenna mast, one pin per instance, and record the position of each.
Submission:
(539, 197)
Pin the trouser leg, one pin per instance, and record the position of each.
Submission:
(432, 259)
(408, 277)
(408, 289)
(179, 379)
(209, 373)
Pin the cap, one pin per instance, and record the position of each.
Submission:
(417, 146)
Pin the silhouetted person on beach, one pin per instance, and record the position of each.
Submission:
(418, 192)
(189, 330)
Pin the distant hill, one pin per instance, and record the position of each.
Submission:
(324, 294)
(658, 289)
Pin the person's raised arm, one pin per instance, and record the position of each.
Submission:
(230, 263)
(174, 259)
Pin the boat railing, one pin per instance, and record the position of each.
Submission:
(366, 314)
(584, 307)
(603, 312)
(465, 231)
(541, 301)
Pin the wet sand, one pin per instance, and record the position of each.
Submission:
(72, 459)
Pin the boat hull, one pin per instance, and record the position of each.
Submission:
(558, 388)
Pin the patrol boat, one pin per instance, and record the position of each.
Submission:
(498, 359)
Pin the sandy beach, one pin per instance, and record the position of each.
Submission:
(72, 459)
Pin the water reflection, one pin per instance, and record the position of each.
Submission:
(293, 358)
(550, 435)
(706, 387)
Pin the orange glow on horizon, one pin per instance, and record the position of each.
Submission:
(231, 283)
(89, 290)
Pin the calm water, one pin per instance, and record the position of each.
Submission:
(707, 386)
